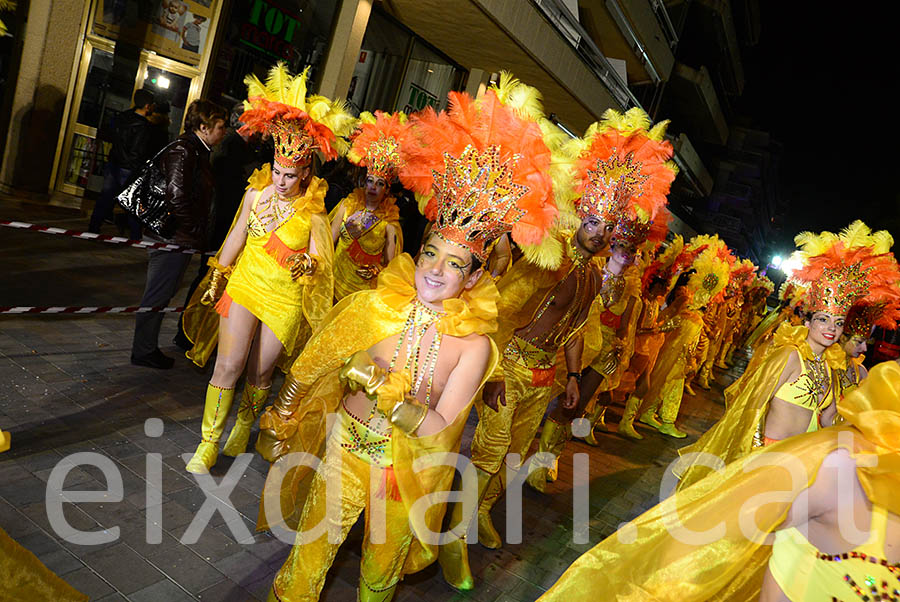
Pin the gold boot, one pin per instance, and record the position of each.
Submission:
(688, 389)
(215, 413)
(367, 594)
(274, 421)
(649, 418)
(252, 401)
(487, 534)
(626, 425)
(553, 439)
(4, 441)
(454, 556)
(668, 411)
(597, 418)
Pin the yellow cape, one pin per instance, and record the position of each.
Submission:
(358, 322)
(645, 561)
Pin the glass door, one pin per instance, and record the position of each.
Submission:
(100, 95)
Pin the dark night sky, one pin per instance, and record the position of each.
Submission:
(820, 82)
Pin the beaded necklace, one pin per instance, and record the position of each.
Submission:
(274, 210)
(420, 319)
(818, 373)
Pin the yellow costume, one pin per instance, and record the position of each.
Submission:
(364, 248)
(479, 186)
(655, 557)
(282, 273)
(741, 427)
(805, 574)
(261, 279)
(529, 366)
(361, 247)
(356, 323)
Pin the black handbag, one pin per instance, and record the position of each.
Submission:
(145, 198)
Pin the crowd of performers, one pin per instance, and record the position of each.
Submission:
(546, 286)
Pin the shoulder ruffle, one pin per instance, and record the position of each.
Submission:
(474, 312)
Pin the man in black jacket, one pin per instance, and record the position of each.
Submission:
(189, 191)
(130, 150)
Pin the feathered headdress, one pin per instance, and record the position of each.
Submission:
(634, 232)
(4, 6)
(742, 274)
(854, 266)
(483, 170)
(376, 143)
(661, 266)
(298, 124)
(863, 316)
(623, 167)
(709, 279)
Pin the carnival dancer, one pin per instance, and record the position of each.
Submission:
(365, 225)
(714, 540)
(621, 165)
(271, 282)
(661, 398)
(861, 319)
(742, 274)
(418, 353)
(795, 388)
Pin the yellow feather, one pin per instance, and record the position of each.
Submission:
(658, 131)
(277, 83)
(547, 255)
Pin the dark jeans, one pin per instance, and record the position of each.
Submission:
(164, 272)
(114, 181)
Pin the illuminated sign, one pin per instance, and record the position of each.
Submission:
(270, 29)
(419, 98)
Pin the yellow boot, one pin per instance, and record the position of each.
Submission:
(4, 441)
(215, 413)
(597, 418)
(367, 594)
(454, 556)
(553, 439)
(487, 534)
(626, 425)
(668, 411)
(252, 401)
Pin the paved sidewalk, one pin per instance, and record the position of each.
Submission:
(68, 387)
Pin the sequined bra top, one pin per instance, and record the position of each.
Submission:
(805, 574)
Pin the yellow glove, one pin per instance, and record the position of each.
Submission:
(387, 389)
(302, 264)
(218, 280)
(367, 272)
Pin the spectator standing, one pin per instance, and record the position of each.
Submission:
(130, 149)
(189, 191)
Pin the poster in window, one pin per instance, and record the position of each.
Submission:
(178, 29)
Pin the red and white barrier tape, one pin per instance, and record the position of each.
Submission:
(88, 310)
(119, 240)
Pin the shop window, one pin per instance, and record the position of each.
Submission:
(259, 33)
(398, 71)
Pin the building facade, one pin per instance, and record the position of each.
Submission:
(77, 63)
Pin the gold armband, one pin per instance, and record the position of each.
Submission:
(408, 415)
